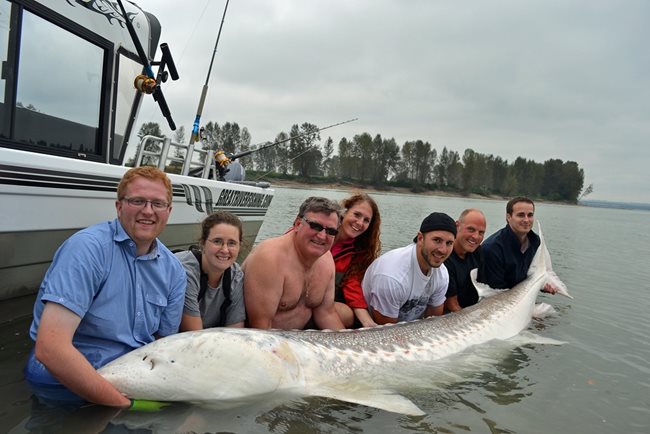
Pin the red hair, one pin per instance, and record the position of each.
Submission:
(368, 245)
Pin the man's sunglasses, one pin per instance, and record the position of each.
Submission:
(319, 227)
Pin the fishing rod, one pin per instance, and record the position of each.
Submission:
(222, 161)
(310, 148)
(147, 83)
(194, 137)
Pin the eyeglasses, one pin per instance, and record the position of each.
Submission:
(220, 242)
(319, 227)
(140, 202)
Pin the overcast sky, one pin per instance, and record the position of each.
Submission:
(567, 79)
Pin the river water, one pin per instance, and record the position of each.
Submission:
(597, 382)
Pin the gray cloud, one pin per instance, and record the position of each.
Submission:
(537, 79)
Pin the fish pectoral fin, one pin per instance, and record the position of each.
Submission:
(525, 338)
(382, 399)
(542, 310)
(482, 289)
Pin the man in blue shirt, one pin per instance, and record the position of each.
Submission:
(111, 288)
(508, 253)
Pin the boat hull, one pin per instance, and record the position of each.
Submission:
(46, 198)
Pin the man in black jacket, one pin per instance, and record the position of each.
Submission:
(508, 253)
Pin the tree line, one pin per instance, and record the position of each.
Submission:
(380, 162)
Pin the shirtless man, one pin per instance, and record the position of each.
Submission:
(289, 280)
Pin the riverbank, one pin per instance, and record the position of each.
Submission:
(284, 183)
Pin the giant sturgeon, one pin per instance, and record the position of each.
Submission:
(226, 364)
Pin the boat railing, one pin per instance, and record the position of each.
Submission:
(185, 158)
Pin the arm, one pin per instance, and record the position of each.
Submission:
(353, 293)
(364, 317)
(171, 317)
(451, 304)
(436, 302)
(55, 350)
(381, 319)
(189, 323)
(434, 310)
(236, 312)
(451, 296)
(191, 319)
(263, 287)
(325, 315)
(385, 294)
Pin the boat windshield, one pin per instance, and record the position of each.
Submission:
(66, 85)
(58, 88)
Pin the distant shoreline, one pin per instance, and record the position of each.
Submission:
(398, 190)
(403, 190)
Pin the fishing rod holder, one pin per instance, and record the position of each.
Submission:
(165, 60)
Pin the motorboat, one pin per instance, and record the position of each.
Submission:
(68, 107)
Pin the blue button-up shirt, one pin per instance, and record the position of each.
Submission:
(123, 299)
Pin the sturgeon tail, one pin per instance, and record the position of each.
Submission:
(541, 264)
(551, 277)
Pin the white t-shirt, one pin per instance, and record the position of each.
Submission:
(395, 286)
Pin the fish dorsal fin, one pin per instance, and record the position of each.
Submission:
(483, 289)
(377, 398)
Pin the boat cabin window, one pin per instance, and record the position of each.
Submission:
(5, 10)
(59, 88)
(51, 88)
(124, 107)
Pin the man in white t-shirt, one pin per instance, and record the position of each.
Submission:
(410, 282)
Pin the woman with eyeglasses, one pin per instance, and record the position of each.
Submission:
(355, 247)
(214, 296)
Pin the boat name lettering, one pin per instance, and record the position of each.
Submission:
(244, 199)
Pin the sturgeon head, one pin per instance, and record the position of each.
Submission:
(218, 364)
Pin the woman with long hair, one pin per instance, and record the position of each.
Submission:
(355, 247)
(214, 295)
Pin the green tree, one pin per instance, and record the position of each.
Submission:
(441, 169)
(572, 180)
(454, 170)
(498, 168)
(244, 145)
(470, 171)
(552, 178)
(328, 151)
(529, 176)
(389, 162)
(150, 129)
(306, 157)
(179, 137)
(347, 159)
(421, 162)
(267, 159)
(363, 145)
(282, 153)
(587, 191)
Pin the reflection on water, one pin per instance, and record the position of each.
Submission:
(459, 381)
(596, 383)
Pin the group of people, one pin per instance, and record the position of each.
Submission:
(114, 286)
